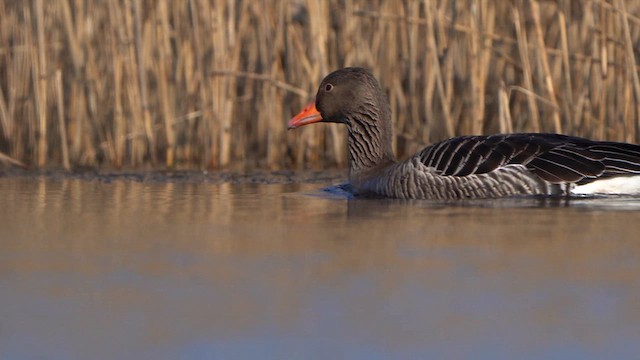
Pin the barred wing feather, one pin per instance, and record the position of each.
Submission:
(554, 158)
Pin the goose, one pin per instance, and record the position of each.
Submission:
(464, 167)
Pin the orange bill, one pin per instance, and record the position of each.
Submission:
(308, 115)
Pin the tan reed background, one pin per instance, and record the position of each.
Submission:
(211, 83)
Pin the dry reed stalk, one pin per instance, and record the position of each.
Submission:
(429, 86)
(274, 82)
(227, 56)
(431, 41)
(631, 69)
(33, 69)
(599, 77)
(132, 89)
(526, 69)
(76, 107)
(589, 79)
(294, 44)
(74, 47)
(77, 112)
(11, 161)
(485, 51)
(5, 122)
(412, 49)
(477, 80)
(277, 147)
(480, 58)
(74, 33)
(142, 80)
(40, 73)
(566, 71)
(186, 62)
(16, 66)
(220, 102)
(319, 67)
(506, 125)
(612, 6)
(430, 82)
(603, 41)
(544, 62)
(119, 127)
(579, 109)
(62, 127)
(396, 38)
(163, 31)
(200, 77)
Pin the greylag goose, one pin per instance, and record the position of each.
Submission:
(466, 167)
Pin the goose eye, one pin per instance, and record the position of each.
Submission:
(328, 87)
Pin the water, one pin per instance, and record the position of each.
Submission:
(124, 269)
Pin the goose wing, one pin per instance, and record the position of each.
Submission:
(553, 157)
(619, 158)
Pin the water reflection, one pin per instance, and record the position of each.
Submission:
(128, 269)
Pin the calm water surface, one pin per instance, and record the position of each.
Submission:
(124, 269)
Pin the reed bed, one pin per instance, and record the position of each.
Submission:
(211, 83)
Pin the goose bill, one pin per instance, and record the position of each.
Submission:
(308, 115)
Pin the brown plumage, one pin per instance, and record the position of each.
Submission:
(461, 167)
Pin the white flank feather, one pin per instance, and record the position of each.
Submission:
(624, 185)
